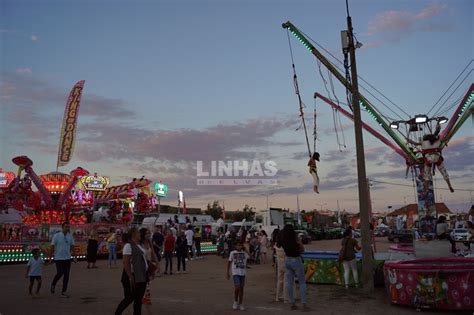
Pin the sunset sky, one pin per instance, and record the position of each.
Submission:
(171, 83)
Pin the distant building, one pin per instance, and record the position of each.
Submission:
(412, 208)
(173, 209)
(409, 214)
(201, 219)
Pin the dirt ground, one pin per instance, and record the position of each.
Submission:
(204, 290)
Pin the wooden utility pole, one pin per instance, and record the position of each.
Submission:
(367, 264)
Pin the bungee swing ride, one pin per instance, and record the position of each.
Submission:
(422, 140)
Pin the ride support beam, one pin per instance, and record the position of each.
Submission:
(362, 100)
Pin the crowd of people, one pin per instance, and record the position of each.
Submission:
(143, 251)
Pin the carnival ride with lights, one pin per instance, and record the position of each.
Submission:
(61, 197)
(409, 142)
(423, 283)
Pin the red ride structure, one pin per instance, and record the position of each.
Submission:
(63, 197)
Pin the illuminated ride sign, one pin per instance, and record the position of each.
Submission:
(6, 178)
(161, 190)
(95, 183)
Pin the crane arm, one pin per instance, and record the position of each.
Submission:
(465, 108)
(362, 100)
(374, 132)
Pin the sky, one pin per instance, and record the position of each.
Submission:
(171, 83)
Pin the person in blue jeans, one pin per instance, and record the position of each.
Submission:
(112, 247)
(62, 245)
(294, 266)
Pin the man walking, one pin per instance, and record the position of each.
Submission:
(157, 240)
(190, 238)
(61, 245)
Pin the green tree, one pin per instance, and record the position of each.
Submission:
(214, 210)
(248, 213)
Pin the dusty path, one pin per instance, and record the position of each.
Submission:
(204, 290)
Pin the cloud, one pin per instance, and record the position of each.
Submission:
(342, 170)
(404, 21)
(34, 38)
(340, 129)
(394, 25)
(24, 71)
(431, 11)
(458, 154)
(336, 155)
(230, 141)
(28, 100)
(300, 156)
(372, 44)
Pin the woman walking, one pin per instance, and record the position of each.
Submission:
(169, 249)
(152, 261)
(349, 261)
(134, 275)
(281, 290)
(293, 265)
(263, 246)
(112, 246)
(150, 255)
(92, 247)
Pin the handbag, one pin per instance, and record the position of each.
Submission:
(342, 253)
(151, 268)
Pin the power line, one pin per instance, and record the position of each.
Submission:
(405, 185)
(467, 75)
(441, 97)
(454, 104)
(370, 85)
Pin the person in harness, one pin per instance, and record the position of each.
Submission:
(313, 170)
(431, 150)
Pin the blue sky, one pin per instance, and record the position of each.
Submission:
(172, 82)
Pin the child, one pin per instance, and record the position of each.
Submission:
(313, 170)
(238, 260)
(33, 271)
(220, 243)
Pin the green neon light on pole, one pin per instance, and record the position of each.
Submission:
(465, 114)
(161, 190)
(363, 101)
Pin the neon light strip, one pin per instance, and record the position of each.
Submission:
(363, 102)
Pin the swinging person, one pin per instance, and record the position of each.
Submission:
(313, 170)
(431, 150)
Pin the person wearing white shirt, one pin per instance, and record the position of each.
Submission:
(62, 245)
(189, 240)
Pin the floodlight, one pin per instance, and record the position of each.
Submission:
(420, 119)
(394, 125)
(442, 120)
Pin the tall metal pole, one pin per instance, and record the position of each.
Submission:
(371, 216)
(298, 209)
(159, 205)
(367, 265)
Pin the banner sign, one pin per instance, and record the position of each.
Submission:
(95, 183)
(6, 178)
(68, 129)
(161, 190)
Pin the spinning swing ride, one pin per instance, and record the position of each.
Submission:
(419, 140)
